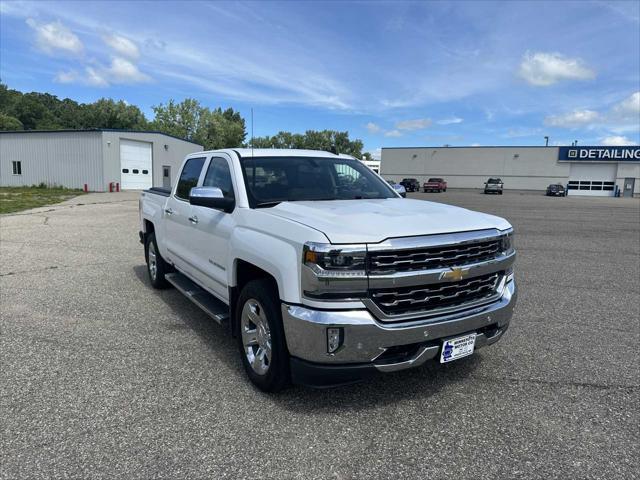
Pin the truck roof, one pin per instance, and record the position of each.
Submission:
(274, 152)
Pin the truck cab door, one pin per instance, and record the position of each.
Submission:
(178, 227)
(211, 230)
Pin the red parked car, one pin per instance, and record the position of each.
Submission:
(435, 185)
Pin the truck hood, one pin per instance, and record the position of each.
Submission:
(372, 221)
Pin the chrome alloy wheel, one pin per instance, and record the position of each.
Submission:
(256, 336)
(153, 262)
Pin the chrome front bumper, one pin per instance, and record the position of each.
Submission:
(366, 339)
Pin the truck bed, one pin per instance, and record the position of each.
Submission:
(165, 192)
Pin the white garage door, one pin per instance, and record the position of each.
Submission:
(593, 179)
(135, 165)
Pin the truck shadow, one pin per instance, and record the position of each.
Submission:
(419, 383)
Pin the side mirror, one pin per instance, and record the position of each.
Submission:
(211, 197)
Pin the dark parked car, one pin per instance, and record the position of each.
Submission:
(556, 190)
(493, 185)
(410, 184)
(435, 185)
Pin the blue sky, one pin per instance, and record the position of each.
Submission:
(393, 74)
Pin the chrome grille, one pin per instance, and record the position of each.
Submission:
(386, 262)
(397, 301)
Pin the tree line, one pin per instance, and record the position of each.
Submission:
(213, 128)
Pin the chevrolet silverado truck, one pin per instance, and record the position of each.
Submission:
(321, 272)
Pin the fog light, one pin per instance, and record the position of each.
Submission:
(509, 274)
(334, 339)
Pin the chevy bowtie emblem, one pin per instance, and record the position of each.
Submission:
(455, 275)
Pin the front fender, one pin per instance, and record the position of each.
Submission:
(276, 256)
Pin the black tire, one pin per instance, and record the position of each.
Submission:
(157, 278)
(277, 376)
(500, 192)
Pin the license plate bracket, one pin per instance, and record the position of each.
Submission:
(457, 347)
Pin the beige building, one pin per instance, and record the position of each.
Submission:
(594, 171)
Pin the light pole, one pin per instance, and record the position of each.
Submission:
(546, 140)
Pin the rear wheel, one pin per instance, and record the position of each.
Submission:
(156, 266)
(260, 336)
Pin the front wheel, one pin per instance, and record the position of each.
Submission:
(260, 336)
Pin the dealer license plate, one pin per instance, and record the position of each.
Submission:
(456, 348)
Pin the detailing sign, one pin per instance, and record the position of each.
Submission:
(599, 154)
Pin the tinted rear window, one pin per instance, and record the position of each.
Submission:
(189, 177)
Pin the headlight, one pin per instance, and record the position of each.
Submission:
(334, 272)
(507, 243)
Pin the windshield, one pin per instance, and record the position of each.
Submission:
(270, 180)
(434, 180)
(494, 180)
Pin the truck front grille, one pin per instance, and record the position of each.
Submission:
(398, 301)
(387, 262)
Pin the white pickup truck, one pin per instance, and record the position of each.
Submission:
(321, 271)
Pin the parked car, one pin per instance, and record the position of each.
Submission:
(398, 188)
(556, 190)
(312, 278)
(493, 185)
(435, 185)
(410, 184)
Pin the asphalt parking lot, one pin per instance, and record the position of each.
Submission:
(103, 377)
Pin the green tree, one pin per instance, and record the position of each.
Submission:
(9, 123)
(222, 129)
(327, 140)
(32, 113)
(107, 113)
(211, 128)
(178, 119)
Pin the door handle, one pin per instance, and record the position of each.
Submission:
(168, 211)
(193, 219)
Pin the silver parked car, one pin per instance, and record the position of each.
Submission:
(398, 188)
(494, 185)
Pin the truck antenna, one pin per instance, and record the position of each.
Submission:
(251, 132)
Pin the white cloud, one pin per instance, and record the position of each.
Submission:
(627, 110)
(543, 69)
(449, 121)
(376, 154)
(123, 71)
(120, 71)
(373, 128)
(69, 76)
(417, 124)
(95, 78)
(122, 46)
(577, 118)
(393, 133)
(53, 37)
(476, 145)
(616, 140)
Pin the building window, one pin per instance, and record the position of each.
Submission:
(125, 170)
(145, 172)
(135, 170)
(17, 168)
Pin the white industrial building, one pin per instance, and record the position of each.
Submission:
(100, 159)
(595, 171)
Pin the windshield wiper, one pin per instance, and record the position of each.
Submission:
(268, 204)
